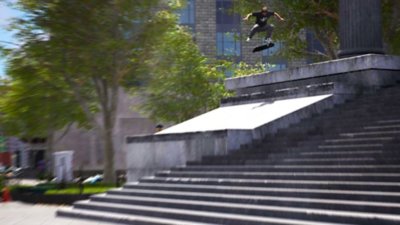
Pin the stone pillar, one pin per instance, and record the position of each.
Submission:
(360, 30)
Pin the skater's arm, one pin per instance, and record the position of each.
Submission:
(248, 16)
(279, 16)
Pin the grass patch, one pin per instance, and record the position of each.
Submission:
(73, 189)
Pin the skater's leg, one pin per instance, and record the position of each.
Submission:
(255, 29)
(269, 29)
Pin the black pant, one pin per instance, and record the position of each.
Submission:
(256, 29)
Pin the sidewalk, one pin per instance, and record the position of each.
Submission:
(17, 213)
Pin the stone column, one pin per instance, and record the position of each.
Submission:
(360, 30)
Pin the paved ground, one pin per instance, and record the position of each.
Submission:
(16, 213)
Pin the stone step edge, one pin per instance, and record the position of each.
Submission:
(265, 181)
(124, 218)
(248, 188)
(307, 211)
(210, 214)
(344, 174)
(292, 167)
(257, 197)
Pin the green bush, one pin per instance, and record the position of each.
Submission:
(1, 182)
(73, 189)
(20, 188)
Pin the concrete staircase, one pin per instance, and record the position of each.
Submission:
(340, 167)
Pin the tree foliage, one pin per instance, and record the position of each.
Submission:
(35, 104)
(92, 47)
(391, 25)
(183, 83)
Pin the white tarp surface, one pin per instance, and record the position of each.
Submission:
(245, 116)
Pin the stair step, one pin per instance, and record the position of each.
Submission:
(351, 205)
(119, 218)
(315, 184)
(393, 177)
(192, 215)
(276, 155)
(351, 146)
(379, 195)
(328, 161)
(359, 139)
(299, 212)
(294, 168)
(388, 121)
(370, 133)
(382, 127)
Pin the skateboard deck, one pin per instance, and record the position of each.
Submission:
(263, 47)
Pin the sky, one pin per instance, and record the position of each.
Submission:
(5, 14)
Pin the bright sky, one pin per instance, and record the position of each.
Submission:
(5, 14)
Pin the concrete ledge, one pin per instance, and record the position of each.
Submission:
(323, 69)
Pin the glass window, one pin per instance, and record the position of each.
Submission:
(187, 14)
(228, 44)
(225, 13)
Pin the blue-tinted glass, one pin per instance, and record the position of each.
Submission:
(187, 14)
(228, 44)
(225, 13)
(191, 5)
(220, 44)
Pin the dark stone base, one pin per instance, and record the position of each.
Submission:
(359, 51)
(34, 198)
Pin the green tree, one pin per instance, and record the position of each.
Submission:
(244, 69)
(391, 25)
(94, 47)
(34, 103)
(183, 83)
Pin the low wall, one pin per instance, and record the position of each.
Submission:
(355, 74)
(146, 154)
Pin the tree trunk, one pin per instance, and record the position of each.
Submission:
(49, 151)
(108, 143)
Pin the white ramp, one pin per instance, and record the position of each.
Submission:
(243, 117)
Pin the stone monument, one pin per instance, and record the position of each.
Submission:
(360, 30)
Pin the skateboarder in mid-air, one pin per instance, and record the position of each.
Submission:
(261, 24)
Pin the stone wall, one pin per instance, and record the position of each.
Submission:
(206, 27)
